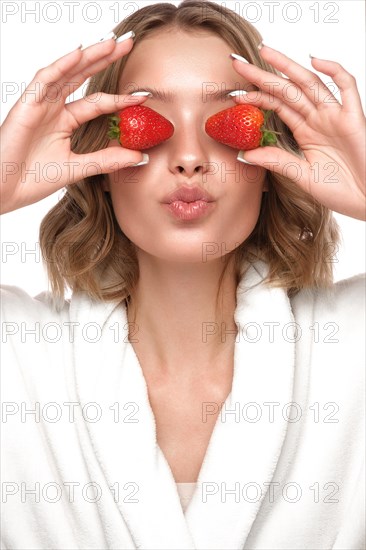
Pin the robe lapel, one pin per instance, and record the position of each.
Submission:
(124, 441)
(245, 447)
(240, 451)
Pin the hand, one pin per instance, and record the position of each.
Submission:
(331, 135)
(35, 137)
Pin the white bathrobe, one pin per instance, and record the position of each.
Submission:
(284, 465)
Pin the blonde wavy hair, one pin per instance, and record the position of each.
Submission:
(81, 242)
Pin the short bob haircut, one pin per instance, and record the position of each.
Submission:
(81, 242)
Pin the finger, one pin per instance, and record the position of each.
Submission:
(106, 161)
(351, 100)
(312, 86)
(97, 104)
(276, 86)
(48, 83)
(265, 101)
(279, 161)
(34, 92)
(92, 62)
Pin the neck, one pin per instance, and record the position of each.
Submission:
(177, 327)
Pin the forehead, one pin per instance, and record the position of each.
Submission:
(181, 62)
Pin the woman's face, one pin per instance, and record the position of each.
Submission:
(191, 68)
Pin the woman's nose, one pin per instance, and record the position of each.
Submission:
(189, 167)
(188, 154)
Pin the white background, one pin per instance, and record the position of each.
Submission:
(332, 30)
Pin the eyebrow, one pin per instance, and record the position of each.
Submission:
(169, 97)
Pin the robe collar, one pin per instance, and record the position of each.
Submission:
(246, 441)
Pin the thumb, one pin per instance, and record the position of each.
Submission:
(278, 161)
(107, 161)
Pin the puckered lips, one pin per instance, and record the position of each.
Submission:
(188, 194)
(189, 203)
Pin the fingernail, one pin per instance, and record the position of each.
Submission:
(125, 36)
(311, 56)
(241, 158)
(80, 47)
(145, 160)
(237, 92)
(260, 46)
(108, 37)
(238, 57)
(143, 94)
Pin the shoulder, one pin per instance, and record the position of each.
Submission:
(342, 304)
(18, 306)
(343, 296)
(16, 303)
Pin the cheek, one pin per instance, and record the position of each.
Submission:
(130, 200)
(240, 209)
(248, 191)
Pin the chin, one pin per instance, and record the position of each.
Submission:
(190, 252)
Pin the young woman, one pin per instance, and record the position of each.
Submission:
(202, 358)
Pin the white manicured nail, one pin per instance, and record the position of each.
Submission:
(143, 94)
(108, 37)
(238, 57)
(241, 158)
(145, 160)
(125, 36)
(237, 92)
(74, 49)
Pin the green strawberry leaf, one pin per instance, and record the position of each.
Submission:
(114, 131)
(268, 138)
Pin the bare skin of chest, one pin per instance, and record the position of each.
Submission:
(185, 416)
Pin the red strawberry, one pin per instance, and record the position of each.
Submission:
(240, 127)
(139, 127)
